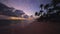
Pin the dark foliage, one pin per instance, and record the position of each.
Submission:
(36, 13)
(53, 14)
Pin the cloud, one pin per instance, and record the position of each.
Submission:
(19, 12)
(5, 10)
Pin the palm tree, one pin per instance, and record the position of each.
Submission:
(55, 2)
(41, 11)
(36, 14)
(46, 6)
(41, 6)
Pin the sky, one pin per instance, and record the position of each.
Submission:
(28, 6)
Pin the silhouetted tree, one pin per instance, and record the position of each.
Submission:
(36, 13)
(52, 10)
(46, 6)
(40, 13)
(41, 6)
(55, 2)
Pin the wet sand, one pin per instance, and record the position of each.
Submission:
(32, 28)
